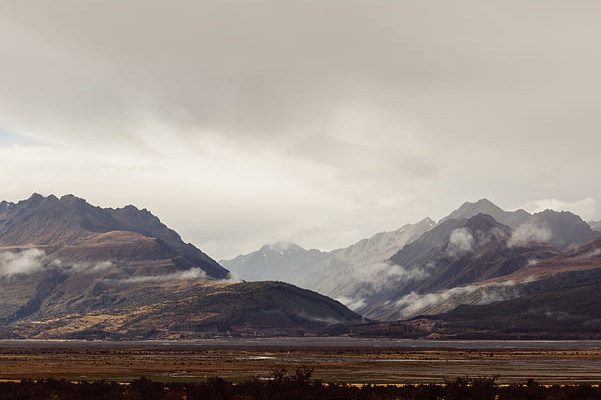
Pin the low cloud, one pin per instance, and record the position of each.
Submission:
(360, 283)
(353, 304)
(432, 303)
(233, 277)
(192, 273)
(461, 241)
(84, 267)
(382, 275)
(528, 233)
(591, 254)
(21, 262)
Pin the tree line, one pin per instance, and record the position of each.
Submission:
(297, 385)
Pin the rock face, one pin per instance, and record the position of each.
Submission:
(70, 269)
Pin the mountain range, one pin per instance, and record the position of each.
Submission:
(70, 269)
(472, 256)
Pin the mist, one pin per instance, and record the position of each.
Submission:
(437, 302)
(21, 262)
(528, 233)
(192, 273)
(461, 241)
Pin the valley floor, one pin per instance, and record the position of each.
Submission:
(330, 359)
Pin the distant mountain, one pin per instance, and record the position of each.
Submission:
(564, 229)
(70, 269)
(348, 274)
(477, 255)
(359, 270)
(562, 303)
(595, 225)
(275, 261)
(561, 229)
(484, 206)
(556, 298)
(453, 254)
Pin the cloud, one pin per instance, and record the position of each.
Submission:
(84, 267)
(461, 241)
(233, 277)
(192, 273)
(379, 276)
(528, 233)
(585, 208)
(349, 116)
(352, 303)
(437, 302)
(591, 254)
(360, 282)
(22, 262)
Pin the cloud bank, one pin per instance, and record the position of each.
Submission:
(341, 118)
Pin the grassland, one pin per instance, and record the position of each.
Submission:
(199, 361)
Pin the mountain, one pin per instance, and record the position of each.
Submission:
(273, 262)
(70, 269)
(438, 265)
(595, 225)
(70, 223)
(485, 206)
(561, 304)
(348, 274)
(556, 298)
(563, 229)
(180, 309)
(476, 255)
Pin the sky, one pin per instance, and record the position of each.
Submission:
(321, 122)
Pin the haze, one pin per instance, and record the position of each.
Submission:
(320, 122)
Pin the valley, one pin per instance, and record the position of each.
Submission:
(331, 360)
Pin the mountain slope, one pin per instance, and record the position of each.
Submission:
(49, 223)
(187, 309)
(274, 262)
(349, 274)
(453, 254)
(68, 268)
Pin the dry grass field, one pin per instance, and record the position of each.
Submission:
(344, 362)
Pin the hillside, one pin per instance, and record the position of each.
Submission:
(188, 309)
(67, 268)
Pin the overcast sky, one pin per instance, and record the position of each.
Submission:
(240, 123)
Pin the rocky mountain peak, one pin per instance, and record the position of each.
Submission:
(281, 247)
(52, 222)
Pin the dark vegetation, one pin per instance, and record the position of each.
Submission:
(568, 312)
(295, 386)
